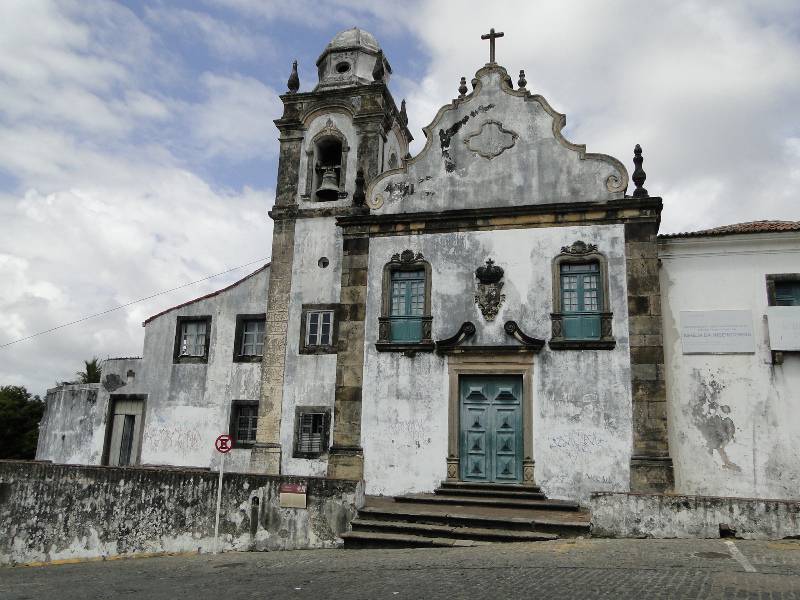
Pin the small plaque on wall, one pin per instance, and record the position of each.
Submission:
(717, 332)
(784, 327)
(292, 495)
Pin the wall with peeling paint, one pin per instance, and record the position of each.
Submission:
(680, 516)
(733, 417)
(55, 512)
(581, 400)
(67, 427)
(187, 405)
(310, 379)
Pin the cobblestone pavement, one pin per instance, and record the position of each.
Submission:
(638, 569)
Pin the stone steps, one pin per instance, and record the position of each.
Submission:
(484, 534)
(513, 493)
(563, 528)
(499, 487)
(470, 516)
(442, 497)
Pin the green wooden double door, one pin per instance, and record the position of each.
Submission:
(491, 428)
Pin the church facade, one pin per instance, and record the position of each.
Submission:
(489, 310)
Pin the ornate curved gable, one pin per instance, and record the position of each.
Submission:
(497, 147)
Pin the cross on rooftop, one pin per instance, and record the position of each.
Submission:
(491, 37)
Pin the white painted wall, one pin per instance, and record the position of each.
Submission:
(309, 379)
(762, 399)
(581, 400)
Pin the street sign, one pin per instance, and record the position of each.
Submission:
(224, 443)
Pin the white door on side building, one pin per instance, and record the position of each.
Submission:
(126, 423)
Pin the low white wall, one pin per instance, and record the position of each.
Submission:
(677, 516)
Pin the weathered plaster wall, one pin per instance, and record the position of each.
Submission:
(527, 162)
(52, 512)
(67, 426)
(741, 404)
(678, 516)
(187, 405)
(582, 399)
(310, 379)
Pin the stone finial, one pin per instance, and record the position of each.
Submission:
(462, 87)
(474, 82)
(638, 174)
(294, 79)
(378, 71)
(403, 115)
(522, 81)
(359, 197)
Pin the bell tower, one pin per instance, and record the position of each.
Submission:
(334, 140)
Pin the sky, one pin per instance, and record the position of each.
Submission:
(138, 153)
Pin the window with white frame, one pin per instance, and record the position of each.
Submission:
(253, 337)
(319, 328)
(193, 338)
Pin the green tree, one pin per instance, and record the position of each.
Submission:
(20, 414)
(91, 374)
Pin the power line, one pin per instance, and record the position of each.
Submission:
(110, 310)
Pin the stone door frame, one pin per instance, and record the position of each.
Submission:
(520, 364)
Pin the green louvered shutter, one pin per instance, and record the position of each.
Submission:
(787, 293)
(407, 305)
(581, 300)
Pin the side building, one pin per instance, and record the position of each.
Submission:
(199, 376)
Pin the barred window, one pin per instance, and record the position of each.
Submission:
(244, 422)
(311, 431)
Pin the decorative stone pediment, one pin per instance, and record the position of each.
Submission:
(496, 147)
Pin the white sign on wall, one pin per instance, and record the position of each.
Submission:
(784, 327)
(717, 332)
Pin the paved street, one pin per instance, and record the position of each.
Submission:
(563, 569)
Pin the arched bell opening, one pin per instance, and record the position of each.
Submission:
(328, 180)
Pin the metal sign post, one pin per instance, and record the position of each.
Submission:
(223, 444)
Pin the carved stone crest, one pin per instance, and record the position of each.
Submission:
(489, 296)
(491, 140)
(579, 248)
(407, 257)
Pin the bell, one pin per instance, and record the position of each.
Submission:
(328, 190)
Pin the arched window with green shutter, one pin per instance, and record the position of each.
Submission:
(405, 321)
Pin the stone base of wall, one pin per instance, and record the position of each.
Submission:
(675, 516)
(55, 512)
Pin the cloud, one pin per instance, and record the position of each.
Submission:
(108, 197)
(234, 120)
(227, 41)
